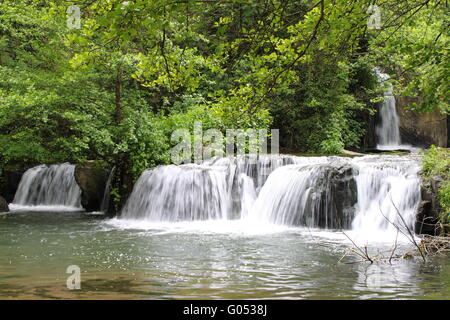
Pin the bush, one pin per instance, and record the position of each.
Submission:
(436, 164)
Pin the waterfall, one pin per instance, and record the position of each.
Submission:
(53, 185)
(329, 192)
(179, 193)
(388, 193)
(308, 195)
(388, 129)
(106, 194)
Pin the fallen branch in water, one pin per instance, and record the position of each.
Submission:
(362, 253)
(366, 258)
(435, 245)
(410, 235)
(394, 248)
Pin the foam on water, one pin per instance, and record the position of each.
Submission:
(17, 208)
(236, 227)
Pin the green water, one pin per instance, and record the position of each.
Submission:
(198, 261)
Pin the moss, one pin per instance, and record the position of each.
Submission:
(436, 166)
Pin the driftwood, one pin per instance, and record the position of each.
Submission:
(434, 245)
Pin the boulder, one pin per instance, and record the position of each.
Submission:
(331, 203)
(3, 205)
(91, 179)
(427, 215)
(10, 180)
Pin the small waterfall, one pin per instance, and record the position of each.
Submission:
(258, 168)
(243, 170)
(388, 130)
(247, 194)
(308, 195)
(53, 185)
(179, 193)
(387, 190)
(326, 192)
(106, 195)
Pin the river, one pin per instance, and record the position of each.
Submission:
(124, 259)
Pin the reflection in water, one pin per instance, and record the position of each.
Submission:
(390, 281)
(188, 262)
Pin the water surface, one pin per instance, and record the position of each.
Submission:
(199, 260)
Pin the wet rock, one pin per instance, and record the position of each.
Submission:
(9, 183)
(92, 181)
(331, 203)
(3, 205)
(427, 216)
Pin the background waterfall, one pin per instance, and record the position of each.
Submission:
(328, 192)
(53, 185)
(388, 128)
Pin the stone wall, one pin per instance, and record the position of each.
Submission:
(421, 129)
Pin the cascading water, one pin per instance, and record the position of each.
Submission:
(104, 207)
(330, 192)
(388, 193)
(246, 175)
(312, 195)
(48, 186)
(388, 129)
(179, 193)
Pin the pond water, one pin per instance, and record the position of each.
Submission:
(122, 259)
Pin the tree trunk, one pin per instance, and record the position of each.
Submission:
(124, 180)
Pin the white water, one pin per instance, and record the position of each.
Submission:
(106, 194)
(388, 194)
(388, 130)
(179, 193)
(48, 188)
(281, 191)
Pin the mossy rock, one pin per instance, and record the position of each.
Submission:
(91, 179)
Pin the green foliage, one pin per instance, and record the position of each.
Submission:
(415, 52)
(436, 164)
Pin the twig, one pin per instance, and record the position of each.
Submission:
(413, 240)
(395, 246)
(361, 253)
